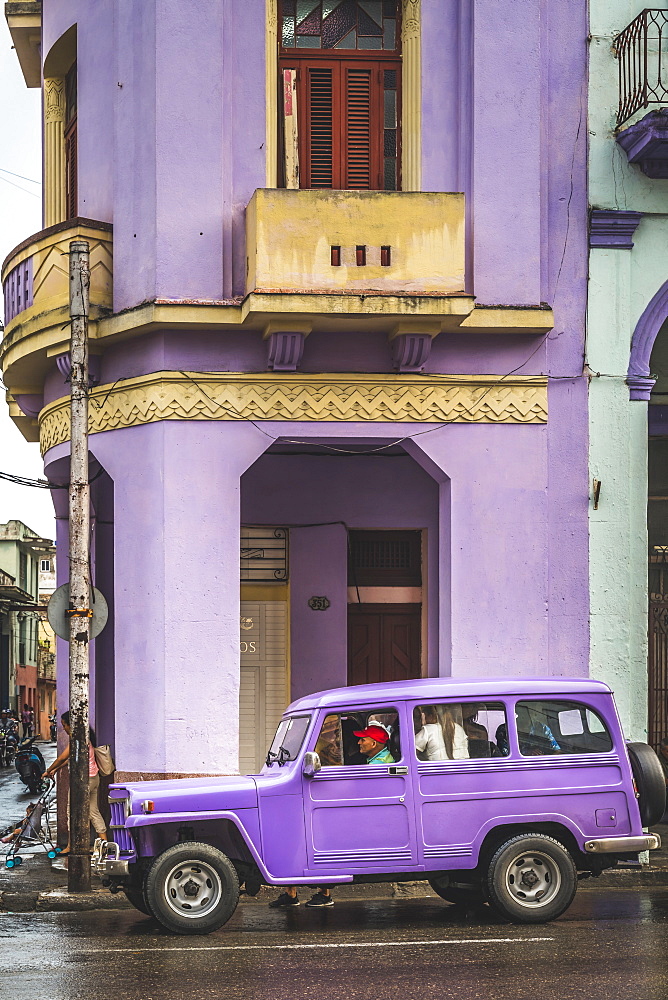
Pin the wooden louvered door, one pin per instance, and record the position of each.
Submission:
(71, 170)
(340, 109)
(318, 139)
(360, 121)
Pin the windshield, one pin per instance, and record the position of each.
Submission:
(288, 740)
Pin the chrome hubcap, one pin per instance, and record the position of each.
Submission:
(533, 879)
(193, 888)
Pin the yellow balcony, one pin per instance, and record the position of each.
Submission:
(355, 242)
(384, 259)
(35, 279)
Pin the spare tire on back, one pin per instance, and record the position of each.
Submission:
(650, 781)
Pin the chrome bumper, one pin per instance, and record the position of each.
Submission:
(106, 859)
(623, 845)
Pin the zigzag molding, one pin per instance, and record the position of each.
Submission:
(368, 398)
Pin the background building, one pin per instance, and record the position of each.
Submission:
(627, 344)
(338, 287)
(21, 552)
(46, 646)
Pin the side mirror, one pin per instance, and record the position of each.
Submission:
(311, 764)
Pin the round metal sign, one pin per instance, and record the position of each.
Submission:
(58, 604)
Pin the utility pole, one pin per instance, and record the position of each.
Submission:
(79, 612)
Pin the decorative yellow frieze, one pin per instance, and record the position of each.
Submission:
(328, 398)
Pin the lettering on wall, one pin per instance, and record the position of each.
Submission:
(248, 624)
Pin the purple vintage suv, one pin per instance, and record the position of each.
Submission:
(498, 790)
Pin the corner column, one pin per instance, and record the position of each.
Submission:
(176, 594)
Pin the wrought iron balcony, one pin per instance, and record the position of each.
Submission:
(642, 51)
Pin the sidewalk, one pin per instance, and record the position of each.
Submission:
(36, 887)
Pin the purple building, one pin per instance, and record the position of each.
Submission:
(337, 250)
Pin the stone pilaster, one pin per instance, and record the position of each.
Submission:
(411, 172)
(54, 150)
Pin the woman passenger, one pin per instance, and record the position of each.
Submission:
(440, 736)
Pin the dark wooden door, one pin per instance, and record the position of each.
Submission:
(383, 642)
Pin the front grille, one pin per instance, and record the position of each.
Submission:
(120, 835)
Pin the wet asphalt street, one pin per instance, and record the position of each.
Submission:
(14, 796)
(611, 944)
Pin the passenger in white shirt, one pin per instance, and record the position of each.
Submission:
(440, 737)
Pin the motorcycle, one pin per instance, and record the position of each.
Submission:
(8, 744)
(30, 765)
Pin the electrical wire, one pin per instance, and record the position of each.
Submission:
(43, 484)
(225, 409)
(428, 430)
(20, 176)
(32, 194)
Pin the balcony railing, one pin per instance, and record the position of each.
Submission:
(35, 274)
(642, 51)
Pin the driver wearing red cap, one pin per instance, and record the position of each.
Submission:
(373, 743)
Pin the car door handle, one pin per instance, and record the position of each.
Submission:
(397, 770)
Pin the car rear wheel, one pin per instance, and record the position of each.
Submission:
(531, 879)
(192, 888)
(650, 782)
(136, 897)
(460, 893)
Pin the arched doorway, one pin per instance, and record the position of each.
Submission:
(657, 530)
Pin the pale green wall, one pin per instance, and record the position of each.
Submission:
(617, 533)
(621, 284)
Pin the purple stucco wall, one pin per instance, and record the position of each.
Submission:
(481, 494)
(172, 133)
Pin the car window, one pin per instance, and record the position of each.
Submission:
(288, 740)
(460, 730)
(560, 727)
(337, 745)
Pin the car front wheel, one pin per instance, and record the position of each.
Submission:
(531, 879)
(192, 888)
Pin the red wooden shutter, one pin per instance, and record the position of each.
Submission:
(360, 138)
(340, 112)
(319, 126)
(71, 170)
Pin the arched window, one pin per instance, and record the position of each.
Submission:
(340, 63)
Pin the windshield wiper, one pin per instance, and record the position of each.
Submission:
(283, 756)
(271, 757)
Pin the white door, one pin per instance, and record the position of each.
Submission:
(264, 691)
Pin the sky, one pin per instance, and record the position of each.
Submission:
(20, 217)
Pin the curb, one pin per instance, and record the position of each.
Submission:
(61, 901)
